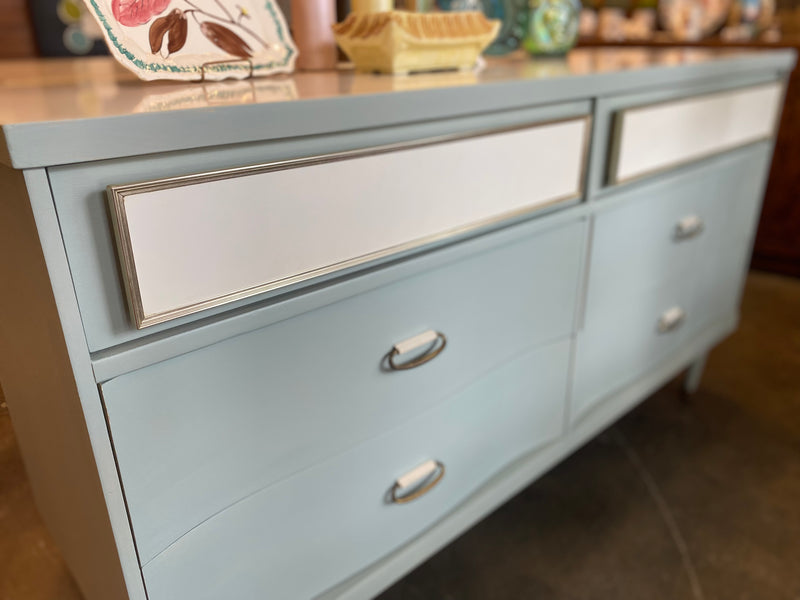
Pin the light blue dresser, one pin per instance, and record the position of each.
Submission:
(286, 338)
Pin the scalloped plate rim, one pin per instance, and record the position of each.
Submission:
(236, 68)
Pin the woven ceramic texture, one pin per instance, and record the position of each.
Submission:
(404, 42)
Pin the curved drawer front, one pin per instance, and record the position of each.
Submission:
(627, 335)
(198, 432)
(654, 232)
(725, 253)
(655, 137)
(646, 252)
(305, 534)
(668, 260)
(196, 242)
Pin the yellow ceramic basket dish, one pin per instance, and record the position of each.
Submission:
(405, 42)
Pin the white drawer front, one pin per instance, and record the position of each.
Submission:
(655, 137)
(200, 241)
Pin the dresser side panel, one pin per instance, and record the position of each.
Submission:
(54, 403)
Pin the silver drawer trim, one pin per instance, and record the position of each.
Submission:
(117, 194)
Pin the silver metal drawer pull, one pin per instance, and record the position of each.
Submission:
(429, 337)
(671, 319)
(417, 482)
(688, 227)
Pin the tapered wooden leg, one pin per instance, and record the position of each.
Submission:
(694, 374)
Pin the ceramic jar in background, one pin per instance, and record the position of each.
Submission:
(512, 14)
(552, 26)
(311, 30)
(611, 24)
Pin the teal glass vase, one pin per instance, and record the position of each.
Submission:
(552, 26)
(513, 15)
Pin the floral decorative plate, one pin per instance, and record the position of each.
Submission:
(196, 39)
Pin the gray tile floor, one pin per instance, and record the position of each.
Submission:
(694, 500)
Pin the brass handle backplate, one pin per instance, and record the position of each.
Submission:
(437, 341)
(419, 481)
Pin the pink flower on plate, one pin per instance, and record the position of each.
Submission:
(137, 12)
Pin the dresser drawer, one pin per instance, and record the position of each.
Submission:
(196, 242)
(724, 253)
(79, 193)
(625, 335)
(652, 233)
(654, 137)
(668, 260)
(308, 532)
(223, 422)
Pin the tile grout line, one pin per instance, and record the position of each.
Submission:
(664, 510)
